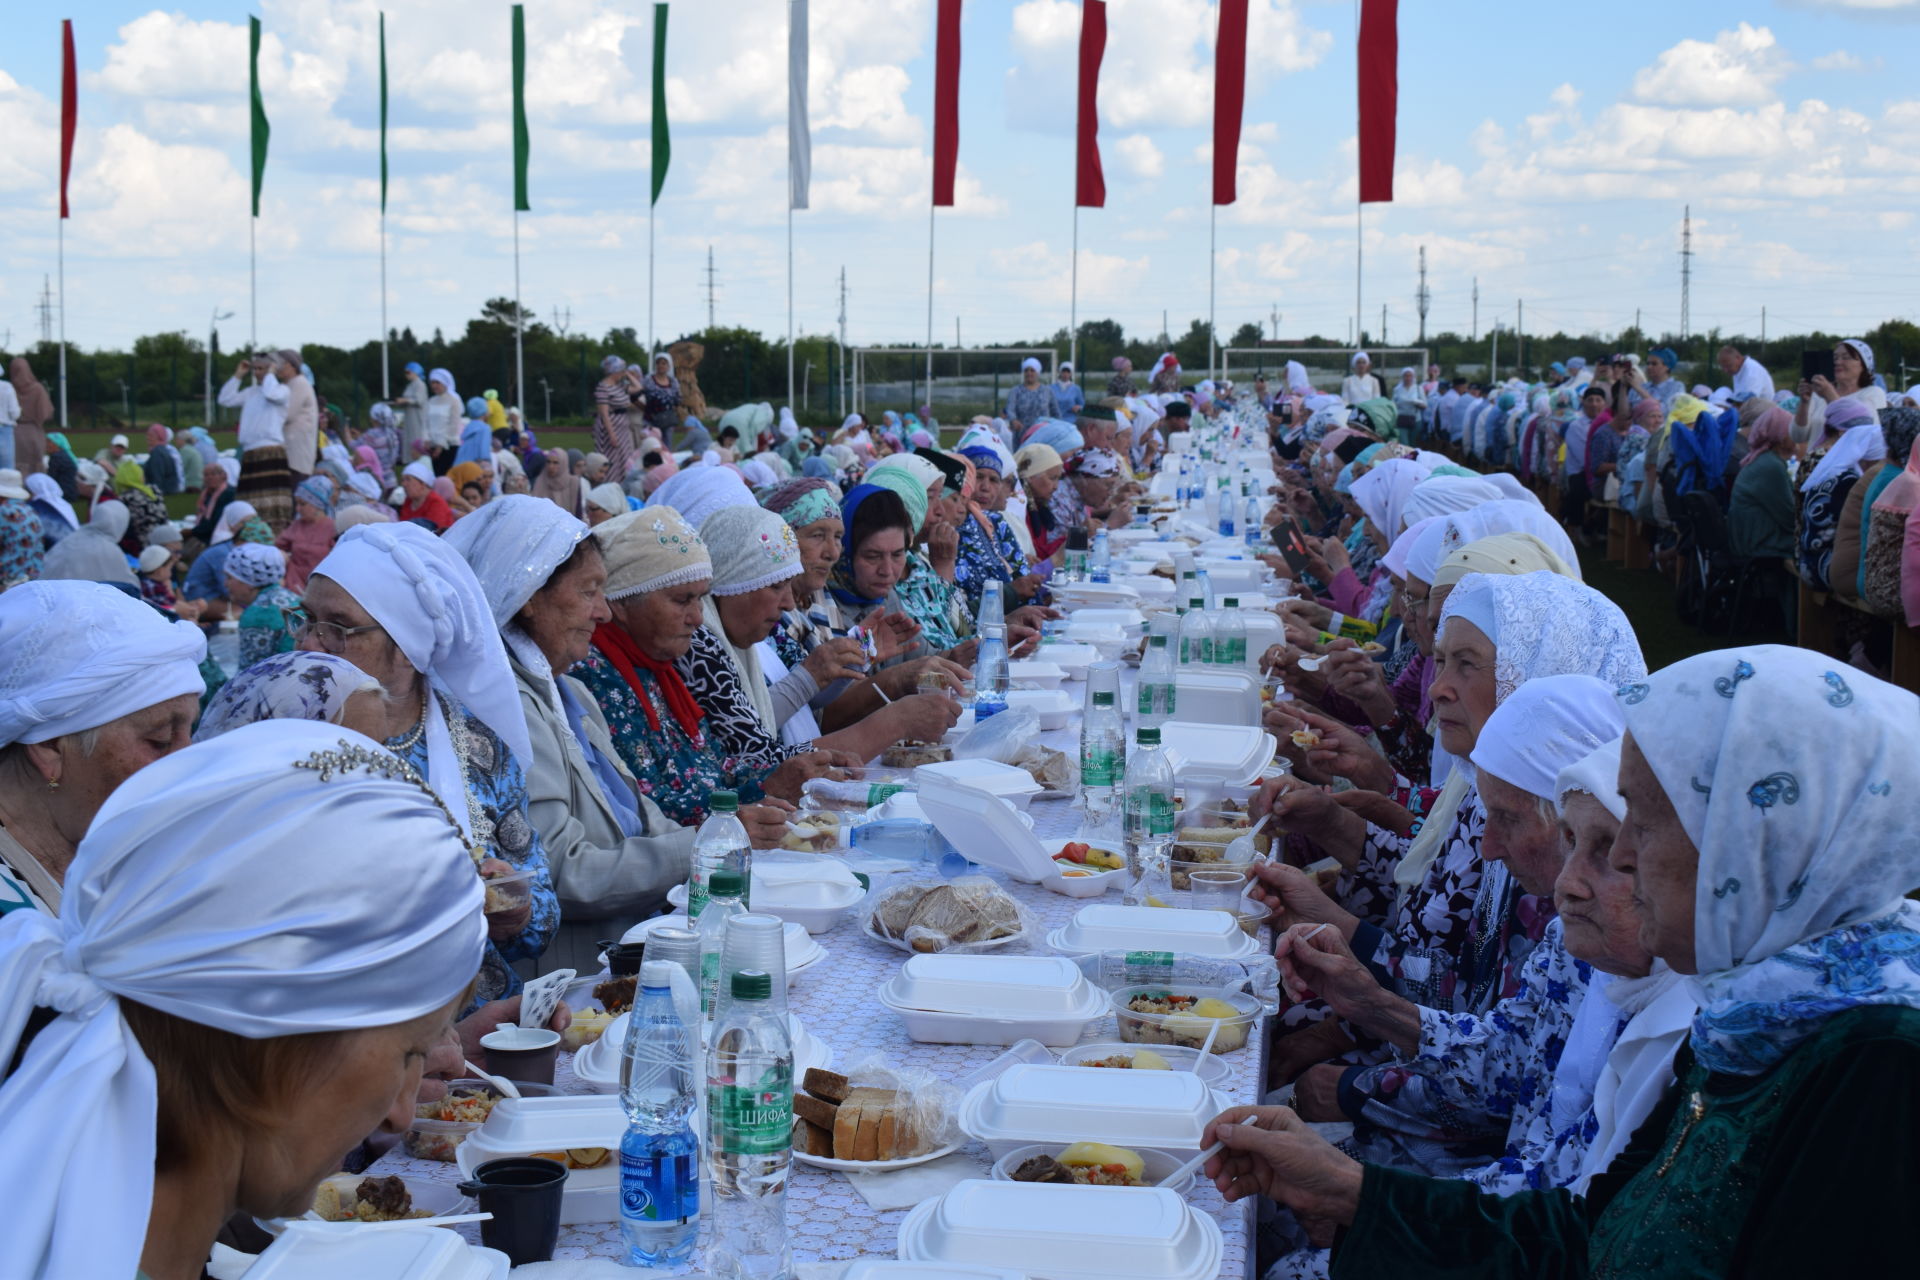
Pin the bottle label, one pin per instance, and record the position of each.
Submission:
(1146, 699)
(880, 791)
(696, 894)
(1172, 696)
(1096, 768)
(709, 980)
(1146, 967)
(756, 1118)
(660, 1188)
(1150, 813)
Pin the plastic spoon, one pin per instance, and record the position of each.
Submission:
(506, 1087)
(1240, 848)
(1187, 1169)
(1206, 1047)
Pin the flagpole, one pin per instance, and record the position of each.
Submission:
(1359, 234)
(790, 206)
(386, 391)
(1073, 304)
(650, 346)
(1213, 244)
(930, 209)
(253, 289)
(519, 319)
(63, 323)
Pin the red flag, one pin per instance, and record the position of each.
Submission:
(946, 101)
(69, 108)
(1379, 76)
(1089, 184)
(1229, 97)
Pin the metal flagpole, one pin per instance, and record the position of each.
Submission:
(1213, 241)
(650, 346)
(1073, 295)
(519, 322)
(63, 324)
(1359, 244)
(789, 209)
(386, 391)
(253, 291)
(930, 209)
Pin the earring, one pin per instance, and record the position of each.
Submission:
(53, 784)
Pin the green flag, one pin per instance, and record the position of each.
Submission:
(662, 147)
(260, 130)
(383, 113)
(520, 142)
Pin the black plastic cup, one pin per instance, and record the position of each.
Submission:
(523, 1195)
(623, 958)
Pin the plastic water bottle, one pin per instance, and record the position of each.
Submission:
(1224, 502)
(990, 674)
(1206, 588)
(1183, 488)
(1250, 526)
(1196, 634)
(1230, 636)
(1149, 819)
(720, 845)
(660, 1155)
(1156, 688)
(1103, 745)
(723, 904)
(1100, 559)
(749, 1135)
(992, 606)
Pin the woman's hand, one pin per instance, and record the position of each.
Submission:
(766, 822)
(1279, 1157)
(1032, 615)
(1825, 389)
(1362, 681)
(964, 653)
(1021, 641)
(1316, 1094)
(1305, 613)
(943, 549)
(921, 717)
(1316, 963)
(495, 1014)
(794, 772)
(1342, 753)
(1293, 897)
(837, 659)
(900, 681)
(893, 633)
(503, 925)
(1313, 813)
(1027, 585)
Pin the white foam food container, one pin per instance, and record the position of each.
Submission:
(1111, 927)
(981, 999)
(987, 829)
(1212, 1069)
(895, 1269)
(1004, 780)
(1074, 659)
(1027, 1103)
(1054, 706)
(1228, 753)
(322, 1251)
(1117, 618)
(1041, 675)
(1106, 594)
(1056, 1232)
(1154, 1165)
(1217, 695)
(522, 1126)
(597, 1066)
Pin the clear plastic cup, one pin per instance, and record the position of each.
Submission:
(758, 942)
(1216, 890)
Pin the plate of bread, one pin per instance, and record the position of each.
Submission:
(854, 1129)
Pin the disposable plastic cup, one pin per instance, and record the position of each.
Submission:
(755, 942)
(1216, 890)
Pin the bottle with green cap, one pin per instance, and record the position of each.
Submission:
(1103, 744)
(1230, 635)
(723, 904)
(720, 844)
(1149, 818)
(750, 1132)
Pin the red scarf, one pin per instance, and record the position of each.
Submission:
(619, 649)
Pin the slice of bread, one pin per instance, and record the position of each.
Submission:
(816, 1140)
(846, 1129)
(815, 1111)
(828, 1086)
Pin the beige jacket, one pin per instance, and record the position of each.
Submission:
(606, 882)
(302, 429)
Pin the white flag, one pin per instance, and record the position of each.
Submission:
(799, 139)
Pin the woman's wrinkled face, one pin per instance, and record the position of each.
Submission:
(819, 548)
(368, 1088)
(751, 616)
(1463, 690)
(121, 748)
(1595, 902)
(662, 622)
(1520, 833)
(1654, 849)
(1042, 483)
(990, 491)
(334, 612)
(563, 615)
(416, 489)
(879, 563)
(241, 593)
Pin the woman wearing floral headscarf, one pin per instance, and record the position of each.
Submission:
(1771, 869)
(144, 507)
(306, 541)
(255, 576)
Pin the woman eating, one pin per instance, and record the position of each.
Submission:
(307, 540)
(200, 1034)
(402, 606)
(254, 587)
(1039, 470)
(423, 501)
(94, 686)
(1769, 868)
(926, 589)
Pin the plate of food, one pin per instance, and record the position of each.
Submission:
(858, 1129)
(1089, 1164)
(927, 916)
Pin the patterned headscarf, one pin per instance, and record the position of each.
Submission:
(256, 565)
(801, 502)
(285, 686)
(317, 490)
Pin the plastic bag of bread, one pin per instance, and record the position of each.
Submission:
(874, 1109)
(927, 914)
(998, 738)
(1054, 770)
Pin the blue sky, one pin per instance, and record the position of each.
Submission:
(1547, 150)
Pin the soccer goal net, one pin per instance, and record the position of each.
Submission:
(964, 381)
(1325, 366)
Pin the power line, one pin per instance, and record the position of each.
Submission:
(1422, 298)
(713, 288)
(1686, 270)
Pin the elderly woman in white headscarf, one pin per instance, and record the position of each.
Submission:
(1031, 399)
(402, 606)
(203, 1032)
(92, 552)
(698, 492)
(1451, 931)
(614, 852)
(94, 686)
(1771, 870)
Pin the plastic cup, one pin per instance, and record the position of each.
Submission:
(1103, 677)
(624, 958)
(755, 942)
(1216, 890)
(680, 946)
(522, 1053)
(523, 1195)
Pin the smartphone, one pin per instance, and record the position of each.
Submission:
(1292, 545)
(1817, 364)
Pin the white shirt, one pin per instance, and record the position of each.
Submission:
(1357, 387)
(263, 412)
(445, 416)
(1752, 379)
(9, 404)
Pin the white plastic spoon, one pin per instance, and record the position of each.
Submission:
(1188, 1168)
(506, 1087)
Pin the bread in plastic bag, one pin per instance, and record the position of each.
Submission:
(925, 914)
(875, 1109)
(1000, 737)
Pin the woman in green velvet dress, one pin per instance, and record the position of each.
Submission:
(1769, 829)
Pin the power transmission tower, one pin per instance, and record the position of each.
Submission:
(843, 336)
(1474, 334)
(1383, 324)
(1686, 270)
(562, 320)
(713, 288)
(1275, 317)
(45, 308)
(1421, 298)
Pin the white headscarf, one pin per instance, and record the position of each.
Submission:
(1855, 447)
(1382, 493)
(1794, 778)
(420, 469)
(698, 492)
(201, 920)
(76, 655)
(426, 598)
(1549, 725)
(232, 516)
(47, 489)
(1398, 560)
(445, 379)
(1444, 495)
(1508, 516)
(1510, 485)
(1297, 381)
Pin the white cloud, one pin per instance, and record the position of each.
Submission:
(1036, 272)
(1738, 69)
(1140, 157)
(1838, 60)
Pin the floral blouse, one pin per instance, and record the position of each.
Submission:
(1027, 405)
(982, 560)
(936, 604)
(21, 546)
(497, 787)
(675, 771)
(731, 725)
(263, 629)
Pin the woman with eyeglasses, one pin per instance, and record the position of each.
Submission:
(402, 606)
